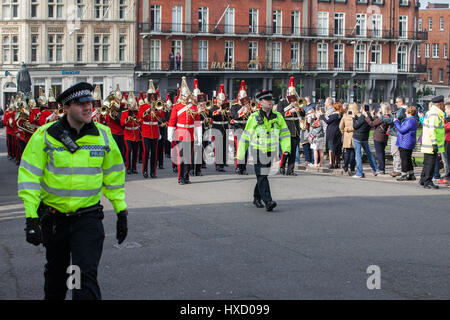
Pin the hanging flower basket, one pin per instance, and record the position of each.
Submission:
(324, 85)
(362, 86)
(403, 87)
(300, 86)
(345, 86)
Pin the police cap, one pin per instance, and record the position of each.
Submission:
(80, 92)
(264, 95)
(438, 99)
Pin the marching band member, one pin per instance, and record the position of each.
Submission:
(239, 115)
(200, 100)
(96, 105)
(220, 114)
(9, 124)
(184, 128)
(49, 113)
(291, 112)
(113, 121)
(163, 148)
(150, 119)
(131, 124)
(35, 110)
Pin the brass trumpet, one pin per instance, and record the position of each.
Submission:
(209, 104)
(60, 112)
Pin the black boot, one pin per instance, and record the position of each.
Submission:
(270, 205)
(282, 171)
(145, 175)
(403, 178)
(258, 203)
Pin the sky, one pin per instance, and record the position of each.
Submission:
(423, 3)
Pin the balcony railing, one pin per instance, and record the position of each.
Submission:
(241, 66)
(264, 31)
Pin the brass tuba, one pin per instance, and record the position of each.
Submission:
(24, 114)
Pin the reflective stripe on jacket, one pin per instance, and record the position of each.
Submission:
(433, 131)
(266, 136)
(68, 181)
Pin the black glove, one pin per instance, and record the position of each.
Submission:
(33, 231)
(121, 226)
(435, 148)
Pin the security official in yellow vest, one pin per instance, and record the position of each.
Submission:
(265, 130)
(65, 168)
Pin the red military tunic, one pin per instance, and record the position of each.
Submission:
(183, 123)
(34, 112)
(131, 131)
(114, 125)
(150, 123)
(44, 116)
(9, 114)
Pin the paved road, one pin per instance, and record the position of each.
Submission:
(207, 241)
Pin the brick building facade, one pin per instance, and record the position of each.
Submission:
(353, 50)
(435, 52)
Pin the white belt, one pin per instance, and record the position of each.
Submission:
(150, 123)
(220, 122)
(238, 121)
(291, 118)
(186, 126)
(134, 128)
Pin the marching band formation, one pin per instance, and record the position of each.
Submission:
(146, 128)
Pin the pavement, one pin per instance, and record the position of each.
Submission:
(207, 241)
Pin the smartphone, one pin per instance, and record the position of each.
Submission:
(322, 110)
(366, 108)
(350, 112)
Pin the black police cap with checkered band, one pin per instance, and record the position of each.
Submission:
(80, 92)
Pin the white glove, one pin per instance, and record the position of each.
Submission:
(170, 133)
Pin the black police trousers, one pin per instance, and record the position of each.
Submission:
(73, 241)
(429, 161)
(262, 167)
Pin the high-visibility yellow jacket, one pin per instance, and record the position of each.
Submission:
(265, 136)
(68, 181)
(433, 131)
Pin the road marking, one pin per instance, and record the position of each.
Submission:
(10, 218)
(11, 206)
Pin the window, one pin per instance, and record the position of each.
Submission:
(441, 75)
(229, 54)
(295, 23)
(376, 54)
(377, 25)
(403, 27)
(430, 75)
(55, 8)
(276, 55)
(402, 58)
(55, 47)
(80, 8)
(253, 20)
(277, 25)
(445, 51)
(295, 55)
(10, 9)
(122, 47)
(155, 54)
(101, 9)
(419, 24)
(322, 56)
(80, 47)
(322, 24)
(229, 20)
(253, 55)
(430, 24)
(418, 51)
(56, 85)
(338, 56)
(122, 9)
(427, 50)
(177, 19)
(155, 18)
(203, 54)
(435, 48)
(361, 25)
(341, 87)
(34, 8)
(203, 19)
(101, 47)
(177, 47)
(34, 47)
(441, 23)
(360, 57)
(10, 48)
(339, 23)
